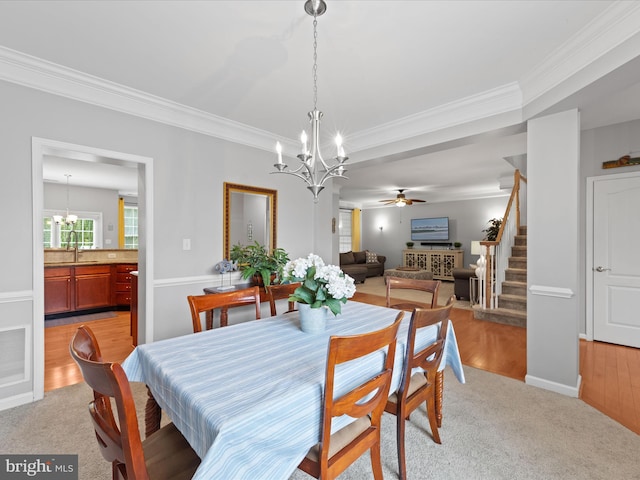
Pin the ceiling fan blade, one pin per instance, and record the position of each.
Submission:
(388, 201)
(417, 200)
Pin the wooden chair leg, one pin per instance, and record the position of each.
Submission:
(431, 414)
(438, 394)
(152, 415)
(402, 468)
(376, 461)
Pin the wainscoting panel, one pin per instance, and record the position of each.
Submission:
(16, 349)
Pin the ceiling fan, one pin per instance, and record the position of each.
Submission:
(401, 200)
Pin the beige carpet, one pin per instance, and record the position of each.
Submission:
(494, 428)
(376, 286)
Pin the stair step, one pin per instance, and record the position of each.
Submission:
(512, 302)
(520, 240)
(523, 230)
(514, 288)
(516, 274)
(501, 315)
(518, 262)
(519, 251)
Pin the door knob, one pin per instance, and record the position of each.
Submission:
(601, 269)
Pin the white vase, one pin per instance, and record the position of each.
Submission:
(312, 320)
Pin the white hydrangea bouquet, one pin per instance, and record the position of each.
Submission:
(322, 285)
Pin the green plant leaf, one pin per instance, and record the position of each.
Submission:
(334, 305)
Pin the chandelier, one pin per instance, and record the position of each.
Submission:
(68, 219)
(313, 169)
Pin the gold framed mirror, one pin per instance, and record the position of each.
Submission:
(249, 216)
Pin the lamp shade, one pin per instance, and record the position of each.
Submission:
(476, 248)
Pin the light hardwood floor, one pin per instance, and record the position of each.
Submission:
(610, 373)
(60, 370)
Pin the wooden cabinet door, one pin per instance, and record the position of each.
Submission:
(93, 287)
(57, 290)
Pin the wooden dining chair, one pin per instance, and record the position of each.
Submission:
(337, 450)
(419, 387)
(164, 455)
(280, 292)
(422, 286)
(223, 301)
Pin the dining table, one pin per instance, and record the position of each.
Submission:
(248, 397)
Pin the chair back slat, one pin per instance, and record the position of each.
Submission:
(236, 298)
(281, 292)
(431, 287)
(430, 356)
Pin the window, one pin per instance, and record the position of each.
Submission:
(344, 230)
(88, 229)
(130, 226)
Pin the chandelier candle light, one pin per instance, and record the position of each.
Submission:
(313, 169)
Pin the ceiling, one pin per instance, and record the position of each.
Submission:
(383, 67)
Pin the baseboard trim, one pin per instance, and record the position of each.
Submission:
(567, 390)
(16, 401)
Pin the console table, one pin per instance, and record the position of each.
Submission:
(440, 262)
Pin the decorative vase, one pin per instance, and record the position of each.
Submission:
(312, 320)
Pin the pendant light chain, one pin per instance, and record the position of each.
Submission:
(313, 169)
(315, 62)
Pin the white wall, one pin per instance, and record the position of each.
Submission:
(87, 200)
(467, 219)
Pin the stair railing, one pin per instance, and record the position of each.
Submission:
(495, 258)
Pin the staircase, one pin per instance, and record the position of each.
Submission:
(512, 302)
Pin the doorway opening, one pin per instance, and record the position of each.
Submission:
(41, 148)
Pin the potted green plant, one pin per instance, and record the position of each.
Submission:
(493, 229)
(256, 260)
(409, 244)
(322, 285)
(457, 244)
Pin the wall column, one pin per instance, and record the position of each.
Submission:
(552, 249)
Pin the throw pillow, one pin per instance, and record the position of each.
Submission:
(360, 257)
(372, 257)
(347, 258)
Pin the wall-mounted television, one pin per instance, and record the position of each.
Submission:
(434, 229)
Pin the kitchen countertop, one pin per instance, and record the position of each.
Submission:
(114, 261)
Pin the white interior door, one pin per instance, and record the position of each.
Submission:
(616, 260)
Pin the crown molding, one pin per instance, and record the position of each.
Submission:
(500, 100)
(599, 39)
(22, 69)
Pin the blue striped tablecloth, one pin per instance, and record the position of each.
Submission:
(248, 397)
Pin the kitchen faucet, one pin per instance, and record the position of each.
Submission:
(75, 248)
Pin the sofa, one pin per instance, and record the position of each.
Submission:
(361, 265)
(461, 283)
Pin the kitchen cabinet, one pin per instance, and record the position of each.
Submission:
(92, 286)
(122, 284)
(74, 288)
(58, 296)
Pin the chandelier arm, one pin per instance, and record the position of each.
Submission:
(330, 174)
(295, 174)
